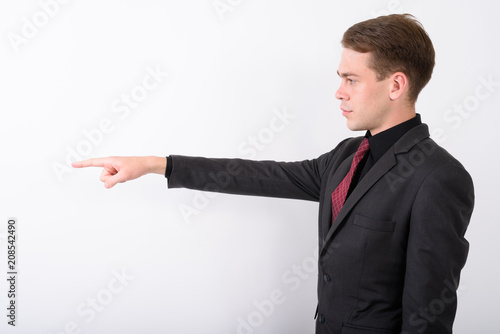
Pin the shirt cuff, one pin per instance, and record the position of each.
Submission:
(168, 170)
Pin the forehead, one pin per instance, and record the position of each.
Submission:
(354, 63)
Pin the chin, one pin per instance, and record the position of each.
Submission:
(354, 126)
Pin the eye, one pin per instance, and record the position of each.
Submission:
(351, 81)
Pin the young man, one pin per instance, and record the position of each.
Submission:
(393, 205)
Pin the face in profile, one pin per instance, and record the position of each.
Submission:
(365, 102)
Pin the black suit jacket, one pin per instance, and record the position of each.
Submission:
(391, 260)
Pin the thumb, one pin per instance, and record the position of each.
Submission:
(113, 180)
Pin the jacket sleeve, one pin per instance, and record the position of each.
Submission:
(437, 250)
(296, 180)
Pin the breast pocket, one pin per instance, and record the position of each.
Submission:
(374, 224)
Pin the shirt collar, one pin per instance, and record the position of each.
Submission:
(382, 141)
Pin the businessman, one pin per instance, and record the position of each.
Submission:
(393, 205)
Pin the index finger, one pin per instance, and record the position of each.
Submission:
(96, 162)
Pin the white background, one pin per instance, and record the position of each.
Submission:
(228, 73)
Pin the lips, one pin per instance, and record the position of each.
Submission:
(345, 112)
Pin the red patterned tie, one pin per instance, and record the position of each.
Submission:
(340, 193)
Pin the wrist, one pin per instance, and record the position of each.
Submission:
(156, 165)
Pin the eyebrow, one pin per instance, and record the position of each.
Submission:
(347, 74)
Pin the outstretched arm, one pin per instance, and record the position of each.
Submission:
(122, 169)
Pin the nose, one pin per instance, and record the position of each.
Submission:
(340, 93)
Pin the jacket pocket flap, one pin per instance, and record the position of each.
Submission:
(351, 329)
(374, 224)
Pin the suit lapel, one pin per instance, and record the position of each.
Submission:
(381, 167)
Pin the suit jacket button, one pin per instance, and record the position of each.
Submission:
(321, 319)
(327, 278)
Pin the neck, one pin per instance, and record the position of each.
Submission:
(396, 117)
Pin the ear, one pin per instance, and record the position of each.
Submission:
(398, 85)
